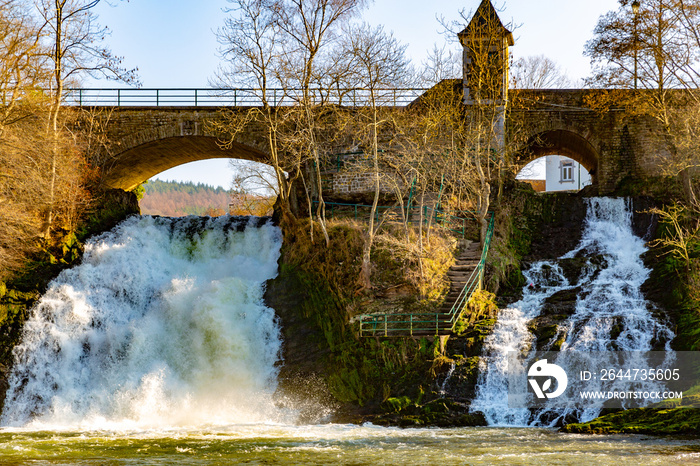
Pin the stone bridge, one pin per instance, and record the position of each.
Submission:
(611, 145)
(145, 141)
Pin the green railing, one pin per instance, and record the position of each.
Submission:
(243, 97)
(388, 325)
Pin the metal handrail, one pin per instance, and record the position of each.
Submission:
(475, 279)
(409, 323)
(229, 97)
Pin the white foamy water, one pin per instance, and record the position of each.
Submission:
(511, 334)
(162, 325)
(611, 315)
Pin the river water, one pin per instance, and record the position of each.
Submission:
(158, 349)
(339, 444)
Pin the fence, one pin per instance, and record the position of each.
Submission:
(175, 97)
(388, 325)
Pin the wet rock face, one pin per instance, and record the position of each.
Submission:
(560, 230)
(644, 223)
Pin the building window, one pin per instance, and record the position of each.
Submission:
(567, 172)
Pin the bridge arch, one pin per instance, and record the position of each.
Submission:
(561, 142)
(140, 162)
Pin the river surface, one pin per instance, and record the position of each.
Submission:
(340, 444)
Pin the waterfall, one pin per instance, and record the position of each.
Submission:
(162, 324)
(443, 386)
(610, 314)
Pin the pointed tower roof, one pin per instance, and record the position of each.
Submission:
(486, 17)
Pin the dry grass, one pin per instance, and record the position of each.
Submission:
(422, 266)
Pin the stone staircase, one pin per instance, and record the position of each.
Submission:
(465, 276)
(458, 274)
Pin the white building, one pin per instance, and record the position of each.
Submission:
(555, 173)
(565, 174)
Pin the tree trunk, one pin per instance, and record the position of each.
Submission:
(688, 188)
(366, 270)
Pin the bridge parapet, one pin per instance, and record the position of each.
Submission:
(144, 141)
(243, 97)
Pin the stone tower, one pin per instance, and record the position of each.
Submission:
(485, 42)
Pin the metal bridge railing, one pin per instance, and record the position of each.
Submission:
(176, 97)
(388, 325)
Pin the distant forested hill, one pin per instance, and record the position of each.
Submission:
(175, 199)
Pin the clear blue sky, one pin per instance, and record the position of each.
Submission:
(172, 42)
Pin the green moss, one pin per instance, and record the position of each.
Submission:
(674, 421)
(357, 370)
(395, 405)
(108, 209)
(13, 311)
(439, 412)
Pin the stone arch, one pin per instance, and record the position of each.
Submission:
(561, 142)
(140, 162)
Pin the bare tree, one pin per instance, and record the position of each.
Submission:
(688, 16)
(20, 70)
(310, 27)
(657, 50)
(74, 48)
(538, 72)
(441, 63)
(252, 45)
(650, 50)
(640, 50)
(286, 43)
(378, 62)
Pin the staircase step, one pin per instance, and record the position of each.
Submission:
(463, 268)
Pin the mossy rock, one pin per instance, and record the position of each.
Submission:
(439, 406)
(396, 405)
(654, 421)
(562, 302)
(470, 340)
(572, 268)
(691, 401)
(544, 334)
(440, 412)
